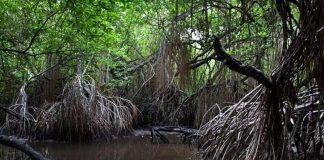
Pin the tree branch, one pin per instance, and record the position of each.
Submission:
(237, 66)
(22, 146)
(14, 114)
(10, 112)
(31, 42)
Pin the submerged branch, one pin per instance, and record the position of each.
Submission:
(187, 132)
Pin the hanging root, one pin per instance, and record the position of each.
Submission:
(85, 114)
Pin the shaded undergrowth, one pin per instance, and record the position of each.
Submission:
(83, 113)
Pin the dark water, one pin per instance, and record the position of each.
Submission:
(131, 148)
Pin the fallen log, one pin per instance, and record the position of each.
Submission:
(186, 132)
(21, 145)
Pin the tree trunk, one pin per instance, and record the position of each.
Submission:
(22, 146)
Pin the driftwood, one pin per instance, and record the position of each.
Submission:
(186, 132)
(21, 145)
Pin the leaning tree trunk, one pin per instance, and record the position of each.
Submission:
(259, 126)
(305, 54)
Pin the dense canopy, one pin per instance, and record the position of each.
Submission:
(248, 73)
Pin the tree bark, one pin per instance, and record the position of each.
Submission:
(22, 146)
(237, 66)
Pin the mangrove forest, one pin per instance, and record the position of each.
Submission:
(162, 79)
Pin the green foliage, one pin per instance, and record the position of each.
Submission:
(112, 36)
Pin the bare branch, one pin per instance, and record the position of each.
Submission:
(238, 66)
(13, 113)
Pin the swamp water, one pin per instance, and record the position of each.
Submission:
(128, 148)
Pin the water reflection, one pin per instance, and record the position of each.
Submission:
(132, 148)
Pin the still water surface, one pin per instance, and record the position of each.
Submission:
(131, 148)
